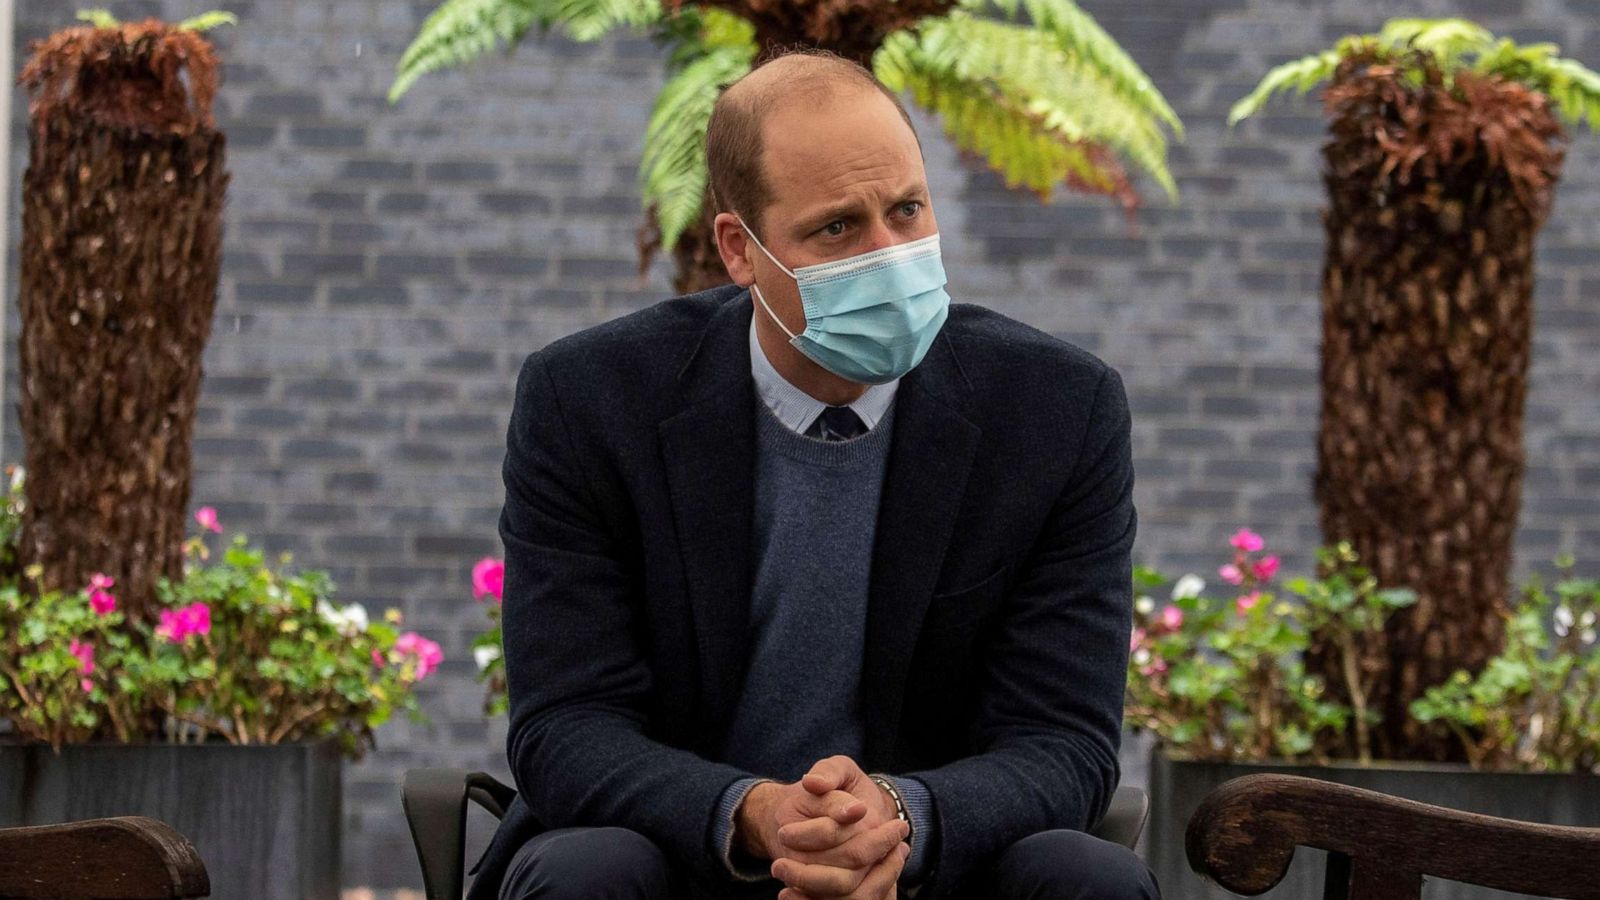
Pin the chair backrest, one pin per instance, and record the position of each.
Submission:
(1244, 833)
(1124, 819)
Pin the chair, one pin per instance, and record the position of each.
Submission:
(1244, 833)
(126, 857)
(435, 802)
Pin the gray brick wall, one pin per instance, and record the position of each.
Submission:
(387, 268)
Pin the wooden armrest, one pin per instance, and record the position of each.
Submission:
(1244, 833)
(122, 858)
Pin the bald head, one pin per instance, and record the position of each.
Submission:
(735, 144)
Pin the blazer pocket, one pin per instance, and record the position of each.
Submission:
(966, 606)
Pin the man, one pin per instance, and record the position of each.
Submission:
(816, 586)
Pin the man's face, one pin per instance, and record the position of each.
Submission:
(846, 177)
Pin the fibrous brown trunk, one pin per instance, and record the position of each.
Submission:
(122, 227)
(1435, 194)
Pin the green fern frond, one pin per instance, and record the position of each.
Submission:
(1013, 139)
(1035, 76)
(1082, 37)
(460, 31)
(672, 172)
(208, 20)
(1454, 45)
(463, 30)
(1449, 40)
(1300, 75)
(588, 20)
(99, 18)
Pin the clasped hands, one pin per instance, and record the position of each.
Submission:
(832, 834)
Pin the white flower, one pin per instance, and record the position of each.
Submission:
(1188, 586)
(17, 477)
(1563, 620)
(1141, 657)
(351, 620)
(1144, 605)
(485, 656)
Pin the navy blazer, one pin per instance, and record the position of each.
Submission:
(999, 602)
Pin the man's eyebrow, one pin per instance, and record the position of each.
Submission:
(838, 210)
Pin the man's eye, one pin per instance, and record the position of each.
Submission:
(833, 229)
(914, 206)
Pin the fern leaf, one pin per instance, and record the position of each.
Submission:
(1015, 140)
(1301, 75)
(1083, 38)
(458, 32)
(1065, 93)
(588, 20)
(208, 20)
(672, 171)
(99, 18)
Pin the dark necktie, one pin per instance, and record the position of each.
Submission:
(837, 423)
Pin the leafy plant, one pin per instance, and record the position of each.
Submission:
(101, 18)
(488, 581)
(1536, 705)
(1453, 46)
(1224, 679)
(241, 651)
(1053, 101)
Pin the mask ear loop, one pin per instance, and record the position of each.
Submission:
(756, 289)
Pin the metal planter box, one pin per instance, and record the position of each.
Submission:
(265, 820)
(1177, 787)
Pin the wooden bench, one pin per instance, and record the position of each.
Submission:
(1243, 836)
(122, 858)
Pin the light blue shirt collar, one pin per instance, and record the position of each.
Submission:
(796, 408)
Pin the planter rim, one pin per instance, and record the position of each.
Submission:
(8, 740)
(1377, 765)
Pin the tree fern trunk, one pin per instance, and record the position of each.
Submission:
(121, 218)
(1426, 313)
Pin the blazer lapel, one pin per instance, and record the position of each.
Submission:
(708, 450)
(930, 456)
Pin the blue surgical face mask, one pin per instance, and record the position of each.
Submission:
(870, 318)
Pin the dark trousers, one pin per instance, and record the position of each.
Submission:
(618, 864)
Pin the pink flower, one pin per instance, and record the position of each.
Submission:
(1246, 602)
(1171, 618)
(87, 685)
(1136, 639)
(427, 653)
(1156, 667)
(1231, 574)
(177, 624)
(102, 602)
(85, 654)
(488, 579)
(207, 517)
(1247, 540)
(1266, 568)
(196, 618)
(99, 581)
(377, 659)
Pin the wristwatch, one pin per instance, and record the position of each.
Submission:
(899, 805)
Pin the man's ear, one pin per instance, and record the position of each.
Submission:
(734, 246)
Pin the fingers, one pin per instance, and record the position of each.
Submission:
(858, 852)
(832, 774)
(877, 884)
(839, 806)
(821, 832)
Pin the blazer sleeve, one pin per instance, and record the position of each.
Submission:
(1050, 708)
(577, 675)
